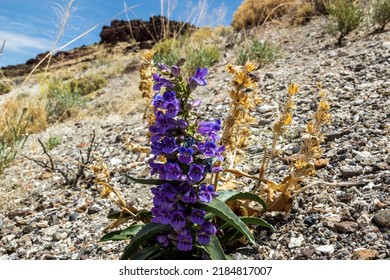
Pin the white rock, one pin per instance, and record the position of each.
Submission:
(363, 155)
(296, 242)
(325, 248)
(49, 231)
(115, 161)
(386, 44)
(266, 108)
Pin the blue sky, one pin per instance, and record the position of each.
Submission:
(29, 26)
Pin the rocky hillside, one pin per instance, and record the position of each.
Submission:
(342, 213)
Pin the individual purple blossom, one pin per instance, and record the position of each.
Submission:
(188, 194)
(197, 216)
(198, 78)
(169, 145)
(163, 239)
(162, 66)
(178, 220)
(184, 242)
(209, 128)
(208, 148)
(161, 215)
(185, 155)
(169, 96)
(172, 108)
(172, 171)
(196, 172)
(162, 124)
(206, 193)
(157, 101)
(161, 82)
(205, 231)
(175, 70)
(157, 168)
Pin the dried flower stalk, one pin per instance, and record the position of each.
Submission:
(146, 71)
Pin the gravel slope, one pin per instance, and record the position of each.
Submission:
(343, 213)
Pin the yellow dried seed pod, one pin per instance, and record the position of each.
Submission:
(293, 89)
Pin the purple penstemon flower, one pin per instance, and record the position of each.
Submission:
(169, 145)
(196, 172)
(205, 231)
(197, 216)
(209, 129)
(199, 78)
(206, 193)
(208, 148)
(184, 242)
(161, 82)
(185, 155)
(172, 171)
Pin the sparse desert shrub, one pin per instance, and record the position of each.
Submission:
(253, 13)
(52, 142)
(261, 52)
(197, 52)
(12, 138)
(203, 56)
(381, 13)
(345, 16)
(168, 51)
(88, 84)
(5, 87)
(63, 101)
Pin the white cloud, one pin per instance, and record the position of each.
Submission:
(22, 43)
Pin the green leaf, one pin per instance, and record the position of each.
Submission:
(214, 249)
(220, 209)
(230, 236)
(256, 221)
(145, 253)
(122, 234)
(146, 232)
(145, 181)
(228, 195)
(114, 235)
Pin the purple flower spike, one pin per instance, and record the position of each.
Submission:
(206, 193)
(197, 216)
(185, 242)
(196, 172)
(172, 171)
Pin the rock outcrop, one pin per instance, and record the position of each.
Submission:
(153, 30)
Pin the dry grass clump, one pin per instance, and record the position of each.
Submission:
(32, 109)
(304, 13)
(19, 118)
(253, 13)
(5, 87)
